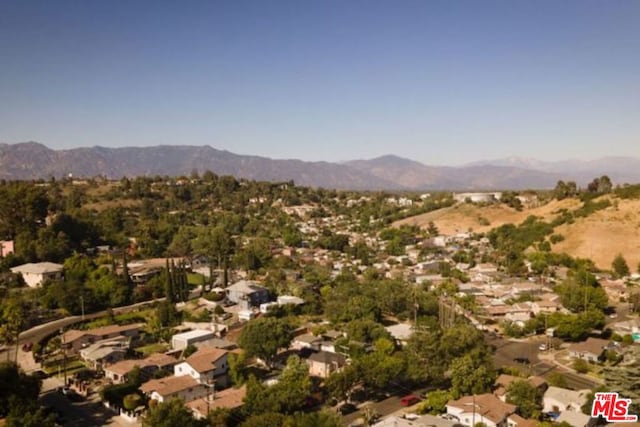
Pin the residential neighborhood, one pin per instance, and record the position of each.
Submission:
(364, 322)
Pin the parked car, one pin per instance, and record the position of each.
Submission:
(409, 400)
(542, 347)
(27, 346)
(522, 360)
(347, 408)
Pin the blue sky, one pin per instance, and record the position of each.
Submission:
(442, 82)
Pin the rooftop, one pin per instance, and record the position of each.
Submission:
(486, 405)
(38, 268)
(169, 385)
(204, 359)
(229, 398)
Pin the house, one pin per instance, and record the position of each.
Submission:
(503, 382)
(400, 332)
(228, 399)
(183, 387)
(306, 341)
(6, 248)
(590, 350)
(289, 299)
(574, 418)
(322, 363)
(516, 420)
(106, 352)
(34, 274)
(557, 399)
(206, 365)
(484, 408)
(184, 339)
(74, 340)
(118, 372)
(414, 421)
(248, 291)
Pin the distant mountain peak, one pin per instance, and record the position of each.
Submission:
(33, 160)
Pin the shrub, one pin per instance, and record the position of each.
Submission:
(131, 401)
(581, 366)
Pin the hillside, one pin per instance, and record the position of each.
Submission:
(604, 234)
(464, 217)
(599, 236)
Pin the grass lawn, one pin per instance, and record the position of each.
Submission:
(72, 366)
(195, 279)
(153, 348)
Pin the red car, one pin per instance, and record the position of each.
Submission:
(409, 400)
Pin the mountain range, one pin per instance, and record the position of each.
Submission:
(31, 160)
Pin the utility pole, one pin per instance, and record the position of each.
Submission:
(82, 306)
(210, 385)
(64, 356)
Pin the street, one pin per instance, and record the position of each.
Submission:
(79, 411)
(514, 353)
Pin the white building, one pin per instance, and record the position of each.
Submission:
(36, 273)
(207, 365)
(184, 339)
(558, 399)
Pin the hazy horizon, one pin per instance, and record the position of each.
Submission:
(440, 82)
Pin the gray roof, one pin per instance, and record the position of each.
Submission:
(328, 358)
(246, 287)
(38, 268)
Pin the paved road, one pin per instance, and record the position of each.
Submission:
(508, 350)
(40, 332)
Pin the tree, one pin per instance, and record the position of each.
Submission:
(131, 401)
(601, 185)
(564, 190)
(470, 375)
(169, 414)
(263, 337)
(217, 244)
(340, 384)
(620, 266)
(18, 391)
(287, 396)
(526, 397)
(435, 403)
(11, 323)
(556, 379)
(581, 366)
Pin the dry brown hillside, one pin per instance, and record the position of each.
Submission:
(600, 236)
(465, 217)
(604, 234)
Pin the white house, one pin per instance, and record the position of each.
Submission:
(36, 273)
(183, 387)
(207, 365)
(558, 399)
(184, 339)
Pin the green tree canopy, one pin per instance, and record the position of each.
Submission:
(526, 397)
(263, 337)
(169, 414)
(620, 266)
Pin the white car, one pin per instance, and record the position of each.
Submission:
(542, 347)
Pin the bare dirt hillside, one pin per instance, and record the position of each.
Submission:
(600, 236)
(467, 217)
(604, 234)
